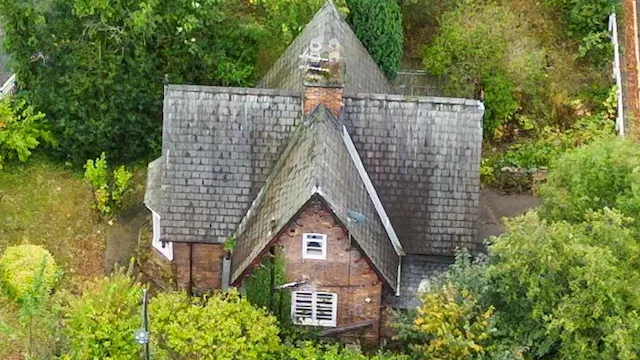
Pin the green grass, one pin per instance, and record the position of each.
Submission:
(47, 204)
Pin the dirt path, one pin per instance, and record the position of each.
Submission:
(122, 237)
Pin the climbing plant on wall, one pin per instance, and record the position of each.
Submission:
(259, 290)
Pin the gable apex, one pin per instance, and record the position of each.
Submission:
(362, 73)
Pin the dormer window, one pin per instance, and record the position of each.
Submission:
(314, 246)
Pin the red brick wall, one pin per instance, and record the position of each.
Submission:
(344, 272)
(207, 266)
(329, 97)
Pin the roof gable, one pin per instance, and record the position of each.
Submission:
(362, 73)
(317, 162)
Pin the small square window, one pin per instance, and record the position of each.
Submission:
(314, 246)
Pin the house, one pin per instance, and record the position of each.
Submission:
(7, 79)
(364, 193)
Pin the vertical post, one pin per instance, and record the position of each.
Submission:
(145, 321)
(272, 277)
(613, 28)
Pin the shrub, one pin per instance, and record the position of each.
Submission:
(455, 325)
(484, 47)
(567, 290)
(311, 351)
(587, 21)
(19, 269)
(378, 25)
(22, 129)
(100, 323)
(108, 192)
(220, 326)
(602, 174)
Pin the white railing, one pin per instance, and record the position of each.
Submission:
(613, 28)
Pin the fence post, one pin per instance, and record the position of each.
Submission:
(613, 28)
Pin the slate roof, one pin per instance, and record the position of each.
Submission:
(417, 271)
(317, 162)
(362, 73)
(219, 145)
(423, 155)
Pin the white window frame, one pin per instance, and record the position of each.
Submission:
(321, 238)
(314, 320)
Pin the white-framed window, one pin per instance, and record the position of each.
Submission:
(314, 308)
(314, 246)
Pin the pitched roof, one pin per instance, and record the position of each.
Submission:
(218, 147)
(317, 162)
(417, 272)
(362, 73)
(423, 155)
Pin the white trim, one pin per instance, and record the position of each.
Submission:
(164, 248)
(372, 192)
(320, 238)
(313, 304)
(8, 87)
(399, 275)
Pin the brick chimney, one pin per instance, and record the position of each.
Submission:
(324, 77)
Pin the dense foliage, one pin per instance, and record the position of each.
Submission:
(100, 323)
(22, 265)
(483, 48)
(220, 326)
(513, 169)
(378, 25)
(108, 190)
(97, 68)
(260, 293)
(586, 21)
(311, 351)
(22, 129)
(604, 174)
(559, 290)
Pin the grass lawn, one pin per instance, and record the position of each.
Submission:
(46, 204)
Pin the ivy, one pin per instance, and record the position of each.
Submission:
(259, 291)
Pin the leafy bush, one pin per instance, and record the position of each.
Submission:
(568, 290)
(587, 21)
(311, 351)
(100, 323)
(484, 47)
(22, 129)
(108, 192)
(19, 269)
(36, 332)
(455, 325)
(378, 25)
(512, 170)
(603, 174)
(220, 326)
(98, 68)
(559, 290)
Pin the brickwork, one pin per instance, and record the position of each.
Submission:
(331, 97)
(345, 271)
(206, 269)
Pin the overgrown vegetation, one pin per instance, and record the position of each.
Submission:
(21, 266)
(22, 129)
(108, 190)
(378, 25)
(261, 294)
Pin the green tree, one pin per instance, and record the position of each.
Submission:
(97, 68)
(220, 326)
(378, 25)
(602, 174)
(100, 323)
